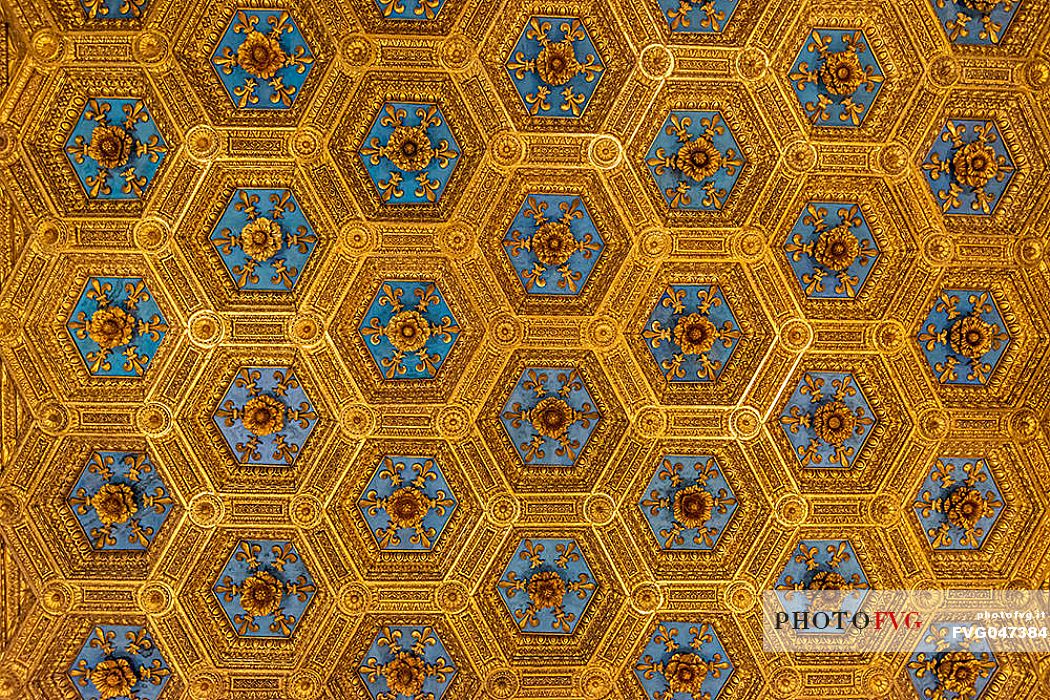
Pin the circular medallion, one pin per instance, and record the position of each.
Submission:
(506, 148)
(206, 510)
(354, 599)
(305, 330)
(745, 422)
(457, 52)
(791, 510)
(155, 598)
(150, 47)
(306, 511)
(605, 152)
(796, 335)
(151, 234)
(358, 420)
(452, 597)
(53, 418)
(306, 144)
(602, 331)
(741, 597)
(501, 683)
(453, 422)
(945, 71)
(356, 51)
(599, 509)
(507, 330)
(356, 239)
(502, 510)
(457, 239)
(751, 63)
(595, 682)
(650, 422)
(58, 598)
(656, 61)
(645, 598)
(202, 142)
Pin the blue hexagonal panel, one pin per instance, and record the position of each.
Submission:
(550, 416)
(407, 503)
(555, 67)
(695, 160)
(547, 585)
(827, 420)
(406, 662)
(410, 153)
(264, 589)
(836, 77)
(119, 662)
(822, 575)
(948, 669)
(975, 22)
(697, 16)
(553, 244)
(120, 501)
(688, 502)
(958, 503)
(968, 167)
(262, 59)
(114, 9)
(409, 329)
(115, 148)
(683, 660)
(831, 250)
(117, 326)
(691, 333)
(264, 239)
(410, 9)
(964, 337)
(265, 417)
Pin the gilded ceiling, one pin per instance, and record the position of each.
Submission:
(437, 349)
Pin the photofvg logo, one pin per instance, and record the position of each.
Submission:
(829, 621)
(929, 623)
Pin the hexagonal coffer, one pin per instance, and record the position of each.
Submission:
(822, 575)
(264, 589)
(692, 333)
(683, 659)
(119, 661)
(958, 503)
(409, 329)
(262, 59)
(407, 661)
(550, 416)
(695, 160)
(120, 501)
(975, 22)
(555, 67)
(968, 167)
(831, 250)
(117, 326)
(943, 667)
(553, 244)
(836, 77)
(265, 417)
(688, 503)
(410, 153)
(263, 239)
(407, 503)
(827, 420)
(547, 585)
(964, 337)
(116, 160)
